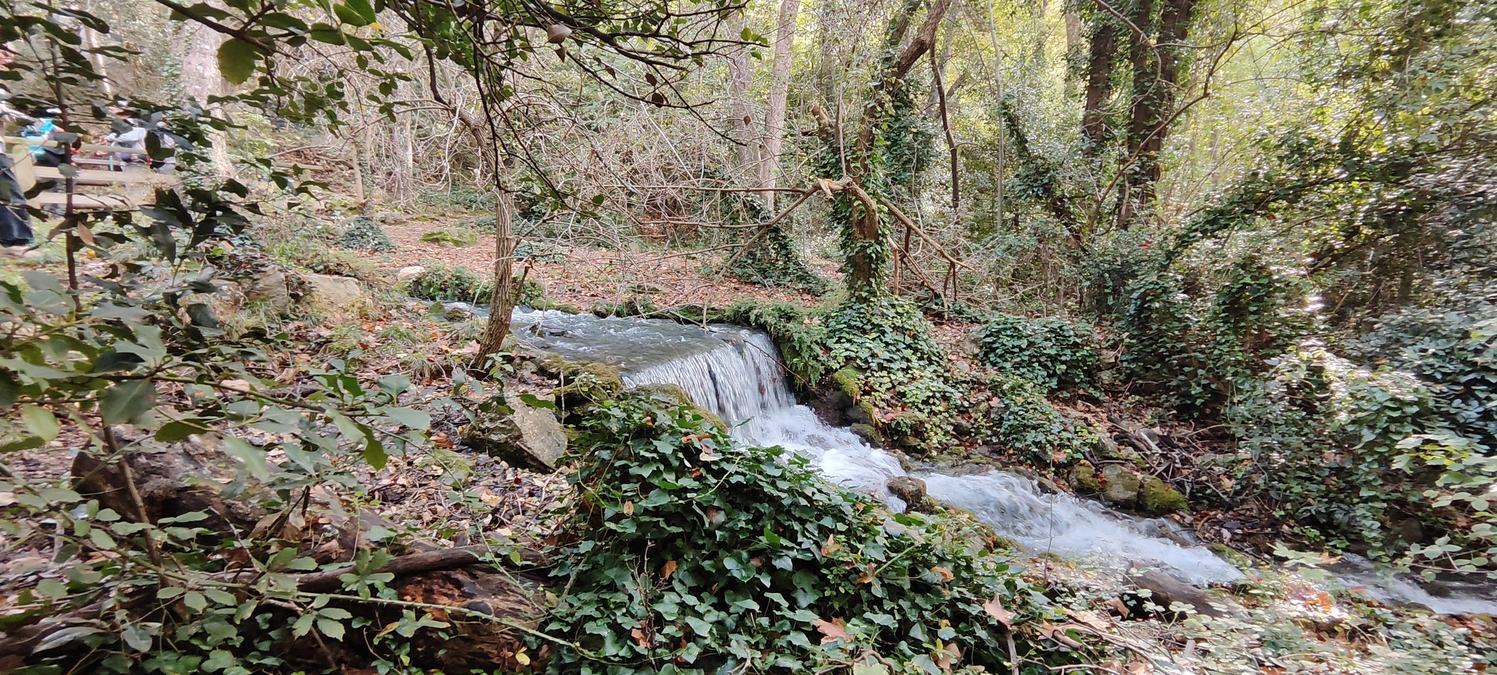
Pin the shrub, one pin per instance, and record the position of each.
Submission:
(1354, 452)
(1052, 353)
(696, 553)
(905, 370)
(1193, 355)
(451, 284)
(771, 259)
(363, 234)
(1012, 412)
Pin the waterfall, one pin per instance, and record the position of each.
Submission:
(736, 373)
(739, 377)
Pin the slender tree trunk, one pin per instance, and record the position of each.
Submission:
(740, 74)
(779, 92)
(200, 80)
(502, 302)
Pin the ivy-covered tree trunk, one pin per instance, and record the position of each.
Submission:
(1101, 52)
(1156, 74)
(884, 153)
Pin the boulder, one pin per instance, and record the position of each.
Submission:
(912, 491)
(1159, 498)
(524, 436)
(1165, 590)
(868, 433)
(405, 274)
(1084, 478)
(1120, 485)
(272, 289)
(335, 296)
(388, 217)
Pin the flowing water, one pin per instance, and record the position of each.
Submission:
(736, 373)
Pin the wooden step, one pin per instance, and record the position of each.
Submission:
(100, 177)
(85, 202)
(86, 147)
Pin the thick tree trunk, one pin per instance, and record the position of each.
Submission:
(1154, 96)
(779, 92)
(1101, 48)
(867, 259)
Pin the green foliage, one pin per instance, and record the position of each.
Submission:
(461, 197)
(1010, 411)
(1354, 452)
(905, 372)
(770, 258)
(1052, 353)
(1192, 354)
(691, 553)
(363, 234)
(451, 284)
(138, 365)
(799, 335)
(450, 237)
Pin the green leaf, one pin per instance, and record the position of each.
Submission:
(39, 421)
(410, 417)
(252, 457)
(330, 628)
(236, 60)
(127, 402)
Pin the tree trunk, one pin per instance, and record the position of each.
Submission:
(739, 76)
(1100, 55)
(779, 92)
(867, 258)
(502, 302)
(1154, 101)
(200, 80)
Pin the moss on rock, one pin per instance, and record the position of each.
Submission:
(1084, 478)
(1159, 498)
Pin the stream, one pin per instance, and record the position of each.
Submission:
(736, 373)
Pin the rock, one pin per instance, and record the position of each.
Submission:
(406, 274)
(1120, 485)
(526, 436)
(867, 433)
(388, 217)
(858, 413)
(335, 296)
(1108, 448)
(1159, 498)
(272, 289)
(1165, 590)
(1084, 478)
(912, 491)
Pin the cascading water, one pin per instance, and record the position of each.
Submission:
(736, 373)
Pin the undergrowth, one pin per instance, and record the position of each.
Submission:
(363, 234)
(693, 555)
(1052, 353)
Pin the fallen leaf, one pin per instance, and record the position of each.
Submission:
(944, 573)
(668, 569)
(995, 609)
(830, 545)
(628, 508)
(831, 631)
